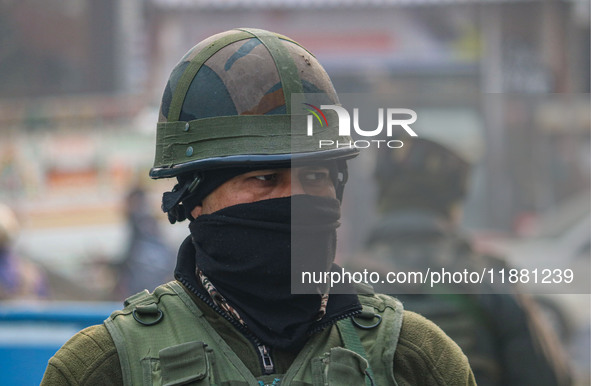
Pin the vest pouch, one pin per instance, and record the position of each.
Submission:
(340, 367)
(183, 364)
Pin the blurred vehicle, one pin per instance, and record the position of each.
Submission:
(559, 239)
(30, 333)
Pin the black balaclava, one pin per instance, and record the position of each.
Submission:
(247, 252)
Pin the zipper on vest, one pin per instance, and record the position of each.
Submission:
(264, 356)
(268, 366)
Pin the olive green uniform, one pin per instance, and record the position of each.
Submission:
(424, 355)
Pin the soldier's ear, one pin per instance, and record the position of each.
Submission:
(196, 212)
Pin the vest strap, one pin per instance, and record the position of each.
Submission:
(138, 298)
(352, 342)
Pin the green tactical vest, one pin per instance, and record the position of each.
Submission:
(156, 347)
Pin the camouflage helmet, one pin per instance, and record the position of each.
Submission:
(228, 103)
(431, 170)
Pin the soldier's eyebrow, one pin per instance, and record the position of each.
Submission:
(263, 171)
(315, 167)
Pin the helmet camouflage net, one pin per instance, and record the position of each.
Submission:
(228, 102)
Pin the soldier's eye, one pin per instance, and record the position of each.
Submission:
(266, 177)
(315, 176)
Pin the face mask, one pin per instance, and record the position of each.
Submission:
(247, 252)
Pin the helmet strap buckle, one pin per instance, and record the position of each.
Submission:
(195, 183)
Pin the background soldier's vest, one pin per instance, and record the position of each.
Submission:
(163, 339)
(412, 241)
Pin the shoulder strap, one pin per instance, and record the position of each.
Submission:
(119, 340)
(353, 343)
(377, 328)
(144, 326)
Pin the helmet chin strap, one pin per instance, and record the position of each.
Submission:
(171, 201)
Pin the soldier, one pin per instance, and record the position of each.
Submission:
(20, 278)
(420, 191)
(148, 261)
(230, 318)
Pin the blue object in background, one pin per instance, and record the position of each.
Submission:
(31, 333)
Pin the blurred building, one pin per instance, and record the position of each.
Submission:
(122, 50)
(80, 82)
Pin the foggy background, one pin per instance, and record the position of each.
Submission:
(81, 82)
